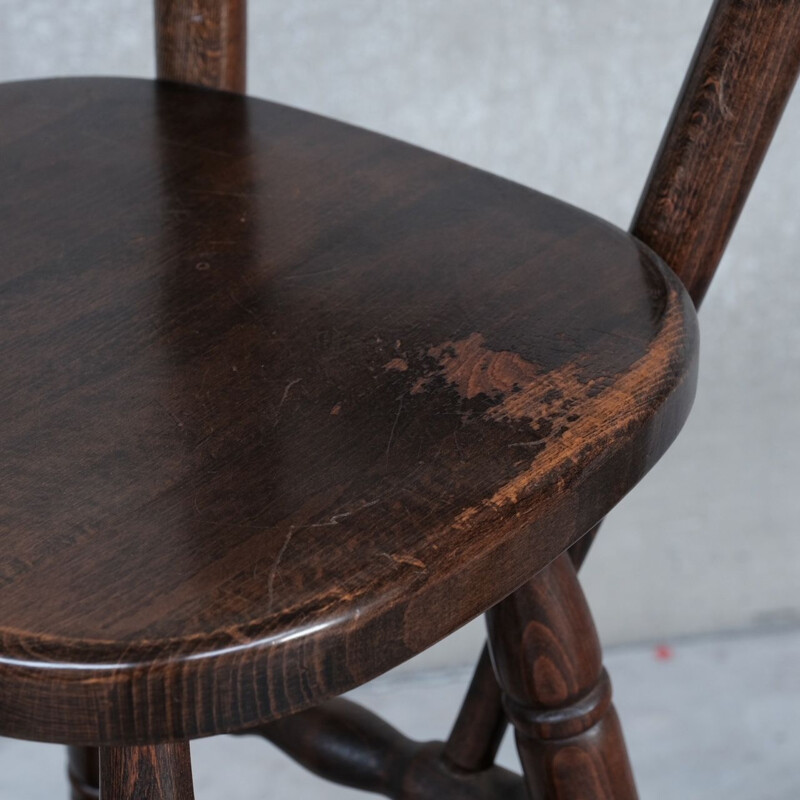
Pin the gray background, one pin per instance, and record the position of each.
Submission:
(570, 97)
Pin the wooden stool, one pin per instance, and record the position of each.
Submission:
(286, 402)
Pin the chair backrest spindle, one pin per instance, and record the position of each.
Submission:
(740, 79)
(202, 42)
(741, 76)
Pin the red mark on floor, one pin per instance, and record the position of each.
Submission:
(663, 652)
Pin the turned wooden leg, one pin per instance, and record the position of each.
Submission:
(151, 772)
(481, 722)
(555, 691)
(84, 773)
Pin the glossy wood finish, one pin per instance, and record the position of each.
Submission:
(202, 42)
(149, 772)
(741, 76)
(276, 388)
(343, 742)
(556, 692)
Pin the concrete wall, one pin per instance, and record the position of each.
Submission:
(569, 96)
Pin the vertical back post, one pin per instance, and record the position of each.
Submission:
(740, 79)
(202, 42)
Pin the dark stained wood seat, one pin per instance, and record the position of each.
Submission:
(286, 402)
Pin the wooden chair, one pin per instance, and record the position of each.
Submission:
(285, 402)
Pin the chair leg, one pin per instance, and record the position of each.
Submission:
(83, 770)
(150, 772)
(555, 691)
(481, 722)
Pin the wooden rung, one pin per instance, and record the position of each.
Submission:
(344, 743)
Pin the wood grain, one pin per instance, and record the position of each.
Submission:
(737, 86)
(555, 691)
(202, 42)
(149, 772)
(286, 402)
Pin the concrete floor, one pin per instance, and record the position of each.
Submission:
(705, 718)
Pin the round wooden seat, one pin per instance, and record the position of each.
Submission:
(285, 402)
